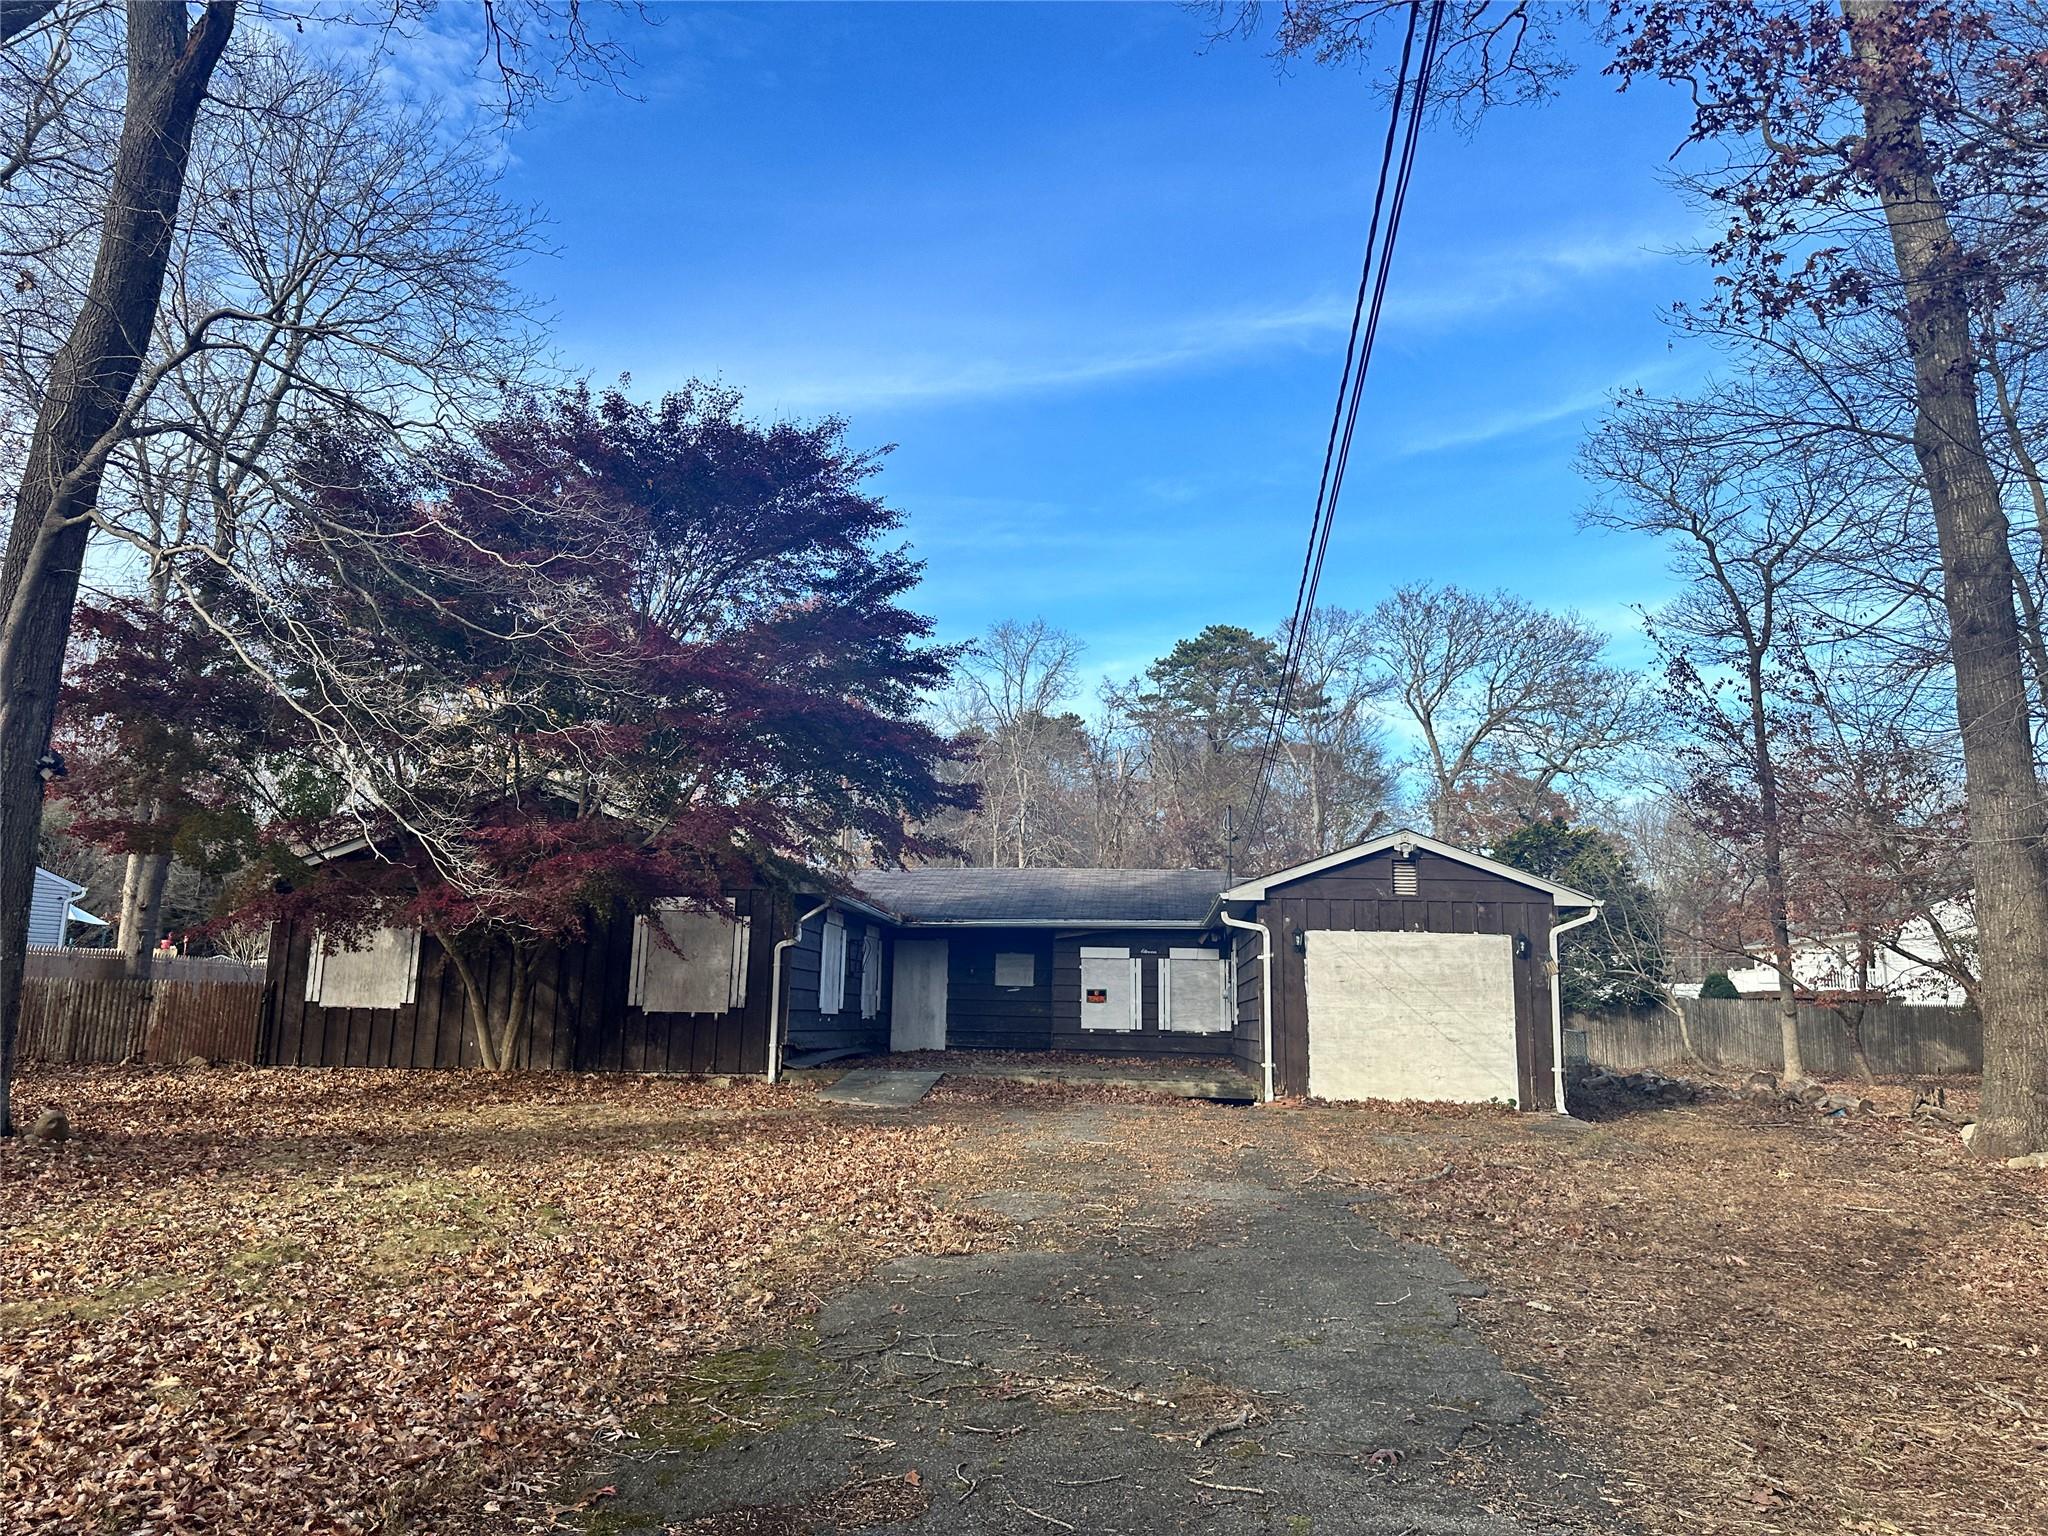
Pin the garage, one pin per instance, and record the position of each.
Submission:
(1412, 1016)
(1403, 968)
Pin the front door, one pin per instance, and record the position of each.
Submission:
(917, 1008)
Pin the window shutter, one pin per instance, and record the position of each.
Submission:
(1112, 990)
(708, 976)
(871, 974)
(832, 965)
(1192, 997)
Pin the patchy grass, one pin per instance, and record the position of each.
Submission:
(347, 1301)
(1758, 1320)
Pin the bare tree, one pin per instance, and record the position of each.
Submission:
(1748, 536)
(1498, 691)
(95, 393)
(1333, 781)
(1030, 750)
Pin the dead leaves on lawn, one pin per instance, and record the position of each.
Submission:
(282, 1301)
(1764, 1321)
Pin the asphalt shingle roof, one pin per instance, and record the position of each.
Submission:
(1102, 896)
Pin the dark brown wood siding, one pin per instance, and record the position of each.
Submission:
(1248, 1043)
(983, 1016)
(1451, 897)
(579, 1020)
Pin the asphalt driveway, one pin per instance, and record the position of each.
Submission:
(1220, 1351)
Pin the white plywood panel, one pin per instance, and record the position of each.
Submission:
(1111, 990)
(1191, 992)
(706, 972)
(1412, 1016)
(917, 1001)
(381, 974)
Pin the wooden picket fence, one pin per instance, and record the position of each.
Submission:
(80, 1006)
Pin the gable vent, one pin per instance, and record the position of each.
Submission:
(1404, 878)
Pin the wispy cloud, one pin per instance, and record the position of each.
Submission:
(1541, 271)
(1535, 415)
(1183, 345)
(1471, 290)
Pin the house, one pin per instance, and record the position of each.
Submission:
(53, 908)
(1402, 968)
(1906, 967)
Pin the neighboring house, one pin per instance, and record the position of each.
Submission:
(1904, 970)
(1402, 968)
(54, 908)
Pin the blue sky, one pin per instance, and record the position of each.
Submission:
(1092, 276)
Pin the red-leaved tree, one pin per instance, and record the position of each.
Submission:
(610, 652)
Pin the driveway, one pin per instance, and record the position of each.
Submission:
(1217, 1349)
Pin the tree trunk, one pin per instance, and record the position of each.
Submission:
(169, 65)
(1775, 893)
(475, 1003)
(142, 909)
(2006, 816)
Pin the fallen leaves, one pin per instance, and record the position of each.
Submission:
(337, 1301)
(1728, 1298)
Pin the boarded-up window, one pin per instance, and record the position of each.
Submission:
(383, 973)
(871, 974)
(832, 965)
(1016, 971)
(1405, 883)
(706, 971)
(1191, 998)
(1110, 990)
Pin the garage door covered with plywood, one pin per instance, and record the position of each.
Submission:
(1411, 1016)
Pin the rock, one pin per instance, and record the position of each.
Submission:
(1969, 1134)
(51, 1125)
(1810, 1093)
(197, 1063)
(1760, 1085)
(2028, 1160)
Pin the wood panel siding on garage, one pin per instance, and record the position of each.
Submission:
(578, 1022)
(1451, 898)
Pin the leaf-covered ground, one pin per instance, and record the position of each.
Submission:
(1756, 1320)
(269, 1301)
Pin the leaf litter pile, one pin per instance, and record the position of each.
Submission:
(268, 1301)
(1754, 1319)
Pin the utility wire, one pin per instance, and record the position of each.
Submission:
(1365, 319)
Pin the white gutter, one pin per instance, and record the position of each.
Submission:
(1557, 1004)
(775, 1019)
(1265, 991)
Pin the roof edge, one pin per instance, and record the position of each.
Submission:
(1256, 890)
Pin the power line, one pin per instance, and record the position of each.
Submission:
(1365, 319)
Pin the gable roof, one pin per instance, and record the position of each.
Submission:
(1255, 890)
(1113, 898)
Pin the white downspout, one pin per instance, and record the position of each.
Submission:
(1265, 991)
(1557, 1004)
(775, 1020)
